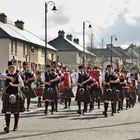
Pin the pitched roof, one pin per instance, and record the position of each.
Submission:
(106, 52)
(122, 52)
(63, 44)
(132, 52)
(8, 30)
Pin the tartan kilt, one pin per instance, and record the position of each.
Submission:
(121, 95)
(39, 91)
(98, 93)
(126, 92)
(115, 95)
(50, 95)
(29, 93)
(133, 92)
(68, 93)
(107, 95)
(92, 93)
(85, 97)
(13, 108)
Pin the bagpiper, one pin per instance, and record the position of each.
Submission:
(13, 101)
(50, 79)
(28, 77)
(110, 90)
(82, 94)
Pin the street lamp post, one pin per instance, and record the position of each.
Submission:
(113, 36)
(46, 11)
(84, 22)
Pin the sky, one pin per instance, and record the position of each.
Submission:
(108, 18)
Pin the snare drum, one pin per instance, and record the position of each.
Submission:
(39, 91)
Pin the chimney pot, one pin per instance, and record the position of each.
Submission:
(3, 18)
(61, 33)
(19, 24)
(76, 40)
(69, 37)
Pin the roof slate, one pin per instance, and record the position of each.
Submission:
(63, 44)
(8, 30)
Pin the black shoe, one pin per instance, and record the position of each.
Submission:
(51, 112)
(15, 128)
(79, 112)
(105, 114)
(45, 112)
(90, 110)
(6, 129)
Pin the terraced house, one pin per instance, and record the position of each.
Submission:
(21, 45)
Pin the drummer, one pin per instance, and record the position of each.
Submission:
(39, 87)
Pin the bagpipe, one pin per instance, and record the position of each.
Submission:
(28, 82)
(11, 97)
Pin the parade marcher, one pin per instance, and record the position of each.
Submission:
(28, 77)
(122, 86)
(39, 88)
(132, 80)
(92, 88)
(56, 67)
(82, 94)
(50, 79)
(13, 101)
(96, 74)
(110, 94)
(67, 94)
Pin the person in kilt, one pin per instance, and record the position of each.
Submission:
(82, 94)
(13, 102)
(96, 74)
(50, 80)
(110, 93)
(39, 88)
(92, 88)
(56, 68)
(132, 82)
(28, 77)
(123, 82)
(67, 93)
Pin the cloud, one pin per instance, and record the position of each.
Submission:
(59, 17)
(125, 32)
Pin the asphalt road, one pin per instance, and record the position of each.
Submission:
(68, 125)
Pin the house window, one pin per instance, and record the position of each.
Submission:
(16, 47)
(32, 50)
(12, 48)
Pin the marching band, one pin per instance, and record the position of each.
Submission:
(117, 87)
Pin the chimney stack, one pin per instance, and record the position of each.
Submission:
(19, 24)
(61, 33)
(69, 37)
(3, 18)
